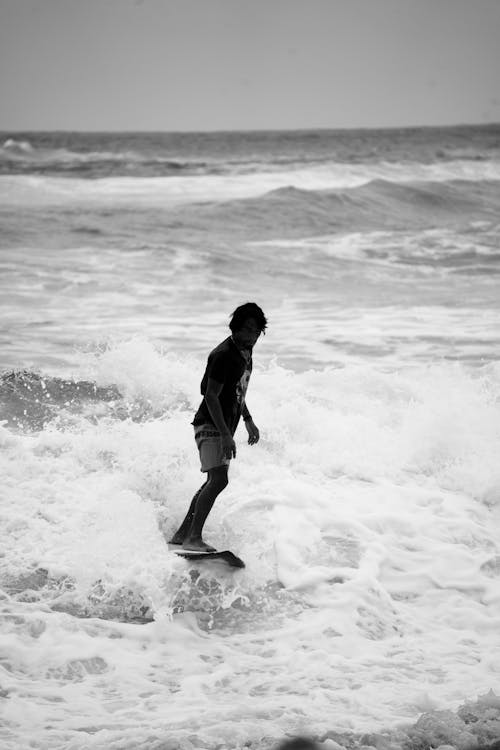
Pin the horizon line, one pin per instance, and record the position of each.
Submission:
(225, 131)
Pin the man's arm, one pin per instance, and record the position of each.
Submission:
(252, 429)
(212, 401)
(245, 413)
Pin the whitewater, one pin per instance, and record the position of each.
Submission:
(368, 513)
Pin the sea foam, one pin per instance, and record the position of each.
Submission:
(365, 516)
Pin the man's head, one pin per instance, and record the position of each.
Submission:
(246, 324)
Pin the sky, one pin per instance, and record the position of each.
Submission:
(247, 64)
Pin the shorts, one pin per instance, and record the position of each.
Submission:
(209, 446)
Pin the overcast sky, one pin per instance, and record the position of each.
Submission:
(246, 64)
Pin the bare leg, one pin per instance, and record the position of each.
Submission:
(183, 529)
(217, 481)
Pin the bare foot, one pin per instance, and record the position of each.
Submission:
(197, 545)
(178, 540)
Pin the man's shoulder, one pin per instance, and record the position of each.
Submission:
(225, 347)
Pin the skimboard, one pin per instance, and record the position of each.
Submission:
(225, 555)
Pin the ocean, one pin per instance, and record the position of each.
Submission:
(368, 513)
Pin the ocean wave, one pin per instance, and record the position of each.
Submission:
(94, 155)
(423, 431)
(380, 182)
(13, 146)
(21, 158)
(29, 401)
(74, 156)
(380, 204)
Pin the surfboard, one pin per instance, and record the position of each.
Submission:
(225, 555)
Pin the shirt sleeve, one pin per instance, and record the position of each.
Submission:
(217, 367)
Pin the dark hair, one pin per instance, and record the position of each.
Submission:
(243, 312)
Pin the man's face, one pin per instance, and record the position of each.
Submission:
(246, 337)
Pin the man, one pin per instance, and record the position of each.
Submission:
(223, 388)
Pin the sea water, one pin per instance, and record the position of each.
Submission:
(368, 513)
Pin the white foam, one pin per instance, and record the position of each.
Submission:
(160, 191)
(11, 144)
(385, 480)
(396, 246)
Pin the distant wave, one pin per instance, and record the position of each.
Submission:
(384, 182)
(21, 158)
(379, 204)
(94, 156)
(253, 213)
(13, 146)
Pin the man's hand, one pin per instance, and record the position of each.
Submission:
(253, 432)
(228, 445)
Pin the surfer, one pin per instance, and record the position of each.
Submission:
(223, 387)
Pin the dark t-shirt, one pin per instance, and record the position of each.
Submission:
(227, 365)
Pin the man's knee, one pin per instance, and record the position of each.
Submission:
(218, 478)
